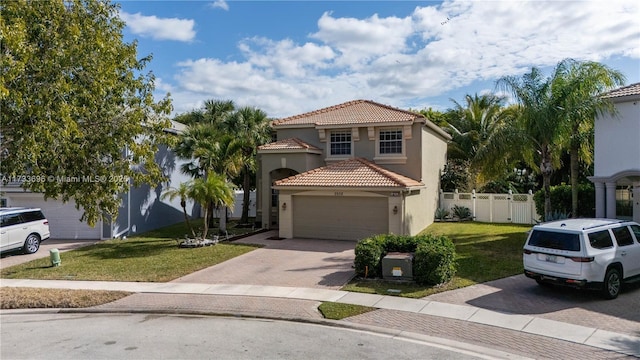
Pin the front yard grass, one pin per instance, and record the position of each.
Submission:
(153, 256)
(484, 252)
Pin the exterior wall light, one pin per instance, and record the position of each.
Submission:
(395, 209)
(284, 206)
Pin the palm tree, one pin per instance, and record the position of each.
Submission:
(473, 128)
(250, 127)
(211, 191)
(577, 87)
(536, 133)
(217, 111)
(182, 191)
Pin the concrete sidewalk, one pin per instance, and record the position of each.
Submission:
(607, 340)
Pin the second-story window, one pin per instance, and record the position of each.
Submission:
(340, 143)
(390, 141)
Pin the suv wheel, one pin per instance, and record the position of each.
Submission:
(32, 244)
(612, 284)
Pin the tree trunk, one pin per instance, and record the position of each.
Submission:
(186, 219)
(223, 220)
(246, 187)
(573, 153)
(206, 223)
(546, 169)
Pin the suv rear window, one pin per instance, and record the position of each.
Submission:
(555, 240)
(600, 239)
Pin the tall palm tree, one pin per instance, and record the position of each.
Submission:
(473, 127)
(182, 191)
(536, 134)
(577, 87)
(211, 191)
(251, 128)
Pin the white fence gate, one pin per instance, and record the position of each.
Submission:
(494, 208)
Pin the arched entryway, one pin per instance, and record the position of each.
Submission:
(275, 175)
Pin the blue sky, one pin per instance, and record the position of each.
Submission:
(289, 57)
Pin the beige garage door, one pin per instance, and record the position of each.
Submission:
(342, 218)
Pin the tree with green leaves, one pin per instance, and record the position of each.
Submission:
(182, 191)
(251, 128)
(536, 134)
(210, 192)
(473, 126)
(75, 104)
(577, 87)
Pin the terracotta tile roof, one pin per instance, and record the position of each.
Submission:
(288, 144)
(352, 173)
(633, 89)
(352, 112)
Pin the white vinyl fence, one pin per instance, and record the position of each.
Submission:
(494, 208)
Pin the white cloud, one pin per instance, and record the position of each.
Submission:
(404, 61)
(222, 4)
(160, 28)
(359, 41)
(285, 57)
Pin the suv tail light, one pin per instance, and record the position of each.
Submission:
(45, 223)
(582, 259)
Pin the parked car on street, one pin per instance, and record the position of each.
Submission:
(22, 229)
(584, 253)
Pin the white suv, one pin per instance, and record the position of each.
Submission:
(22, 229)
(586, 253)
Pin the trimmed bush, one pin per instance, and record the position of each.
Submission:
(369, 253)
(433, 262)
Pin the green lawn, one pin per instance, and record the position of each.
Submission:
(484, 252)
(153, 256)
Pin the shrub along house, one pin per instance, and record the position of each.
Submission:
(617, 156)
(350, 171)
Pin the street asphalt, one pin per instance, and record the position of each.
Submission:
(288, 279)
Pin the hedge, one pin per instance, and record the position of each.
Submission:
(433, 260)
(561, 200)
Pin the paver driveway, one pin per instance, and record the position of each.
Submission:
(520, 295)
(307, 263)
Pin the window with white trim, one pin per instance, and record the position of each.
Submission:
(340, 143)
(390, 141)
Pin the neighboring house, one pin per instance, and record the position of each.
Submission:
(350, 171)
(617, 156)
(141, 210)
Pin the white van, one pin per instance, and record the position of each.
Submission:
(589, 253)
(22, 229)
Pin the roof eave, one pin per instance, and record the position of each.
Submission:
(290, 151)
(348, 188)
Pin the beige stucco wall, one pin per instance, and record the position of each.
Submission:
(434, 158)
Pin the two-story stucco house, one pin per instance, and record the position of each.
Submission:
(617, 155)
(350, 171)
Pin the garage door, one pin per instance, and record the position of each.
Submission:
(63, 218)
(342, 218)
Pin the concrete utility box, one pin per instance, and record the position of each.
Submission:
(397, 266)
